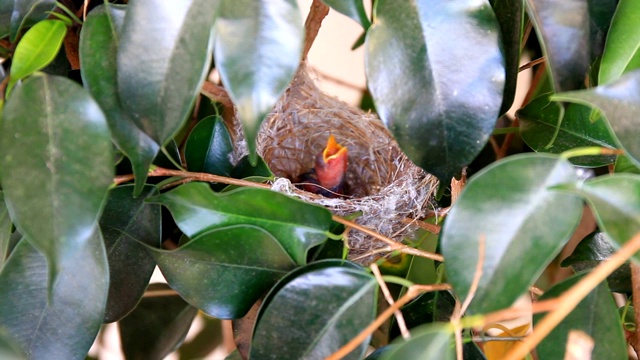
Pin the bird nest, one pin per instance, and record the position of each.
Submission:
(385, 187)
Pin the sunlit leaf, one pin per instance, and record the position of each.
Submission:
(298, 226)
(314, 311)
(56, 162)
(209, 146)
(431, 341)
(351, 8)
(621, 52)
(524, 224)
(258, 49)
(436, 88)
(28, 12)
(224, 271)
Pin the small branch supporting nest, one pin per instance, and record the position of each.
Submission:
(318, 12)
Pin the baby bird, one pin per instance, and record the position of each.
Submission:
(328, 175)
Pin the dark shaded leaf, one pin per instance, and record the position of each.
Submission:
(523, 222)
(314, 311)
(160, 73)
(427, 308)
(5, 230)
(621, 52)
(6, 9)
(579, 126)
(440, 103)
(224, 271)
(563, 30)
(28, 12)
(126, 222)
(431, 341)
(351, 8)
(596, 315)
(601, 13)
(209, 146)
(156, 327)
(258, 49)
(99, 69)
(57, 164)
(65, 326)
(298, 226)
(244, 169)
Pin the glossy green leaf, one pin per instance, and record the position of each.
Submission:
(431, 341)
(5, 230)
(436, 88)
(591, 251)
(296, 225)
(510, 16)
(626, 165)
(126, 222)
(579, 126)
(98, 60)
(619, 102)
(601, 13)
(63, 321)
(563, 30)
(596, 315)
(37, 48)
(56, 162)
(244, 169)
(621, 53)
(224, 271)
(28, 12)
(209, 146)
(351, 8)
(258, 49)
(163, 59)
(314, 311)
(523, 222)
(615, 201)
(436, 306)
(156, 327)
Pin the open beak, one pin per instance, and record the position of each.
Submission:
(333, 151)
(331, 166)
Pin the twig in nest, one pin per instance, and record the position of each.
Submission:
(432, 228)
(387, 295)
(317, 13)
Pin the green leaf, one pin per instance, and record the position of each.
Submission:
(5, 230)
(621, 52)
(244, 169)
(156, 327)
(431, 341)
(510, 17)
(57, 164)
(615, 201)
(209, 146)
(258, 49)
(160, 73)
(28, 12)
(37, 48)
(99, 70)
(314, 311)
(64, 324)
(579, 126)
(224, 271)
(596, 315)
(563, 31)
(591, 251)
(125, 223)
(436, 306)
(436, 88)
(619, 102)
(9, 350)
(6, 9)
(296, 225)
(351, 8)
(625, 165)
(523, 222)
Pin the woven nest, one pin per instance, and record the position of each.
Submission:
(385, 186)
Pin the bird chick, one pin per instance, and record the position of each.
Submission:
(328, 175)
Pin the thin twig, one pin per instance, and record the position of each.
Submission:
(531, 64)
(432, 228)
(635, 288)
(387, 295)
(216, 93)
(317, 13)
(160, 293)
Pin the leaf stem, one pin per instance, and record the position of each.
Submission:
(590, 151)
(397, 280)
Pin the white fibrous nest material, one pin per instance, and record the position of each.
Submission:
(385, 186)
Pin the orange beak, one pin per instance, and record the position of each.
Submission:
(331, 164)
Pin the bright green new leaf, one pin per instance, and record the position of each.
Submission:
(579, 126)
(156, 327)
(437, 89)
(60, 322)
(622, 49)
(258, 49)
(296, 225)
(595, 315)
(163, 59)
(314, 311)
(563, 29)
(98, 60)
(28, 12)
(209, 146)
(431, 341)
(619, 102)
(57, 164)
(224, 271)
(351, 8)
(523, 223)
(37, 48)
(126, 222)
(5, 230)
